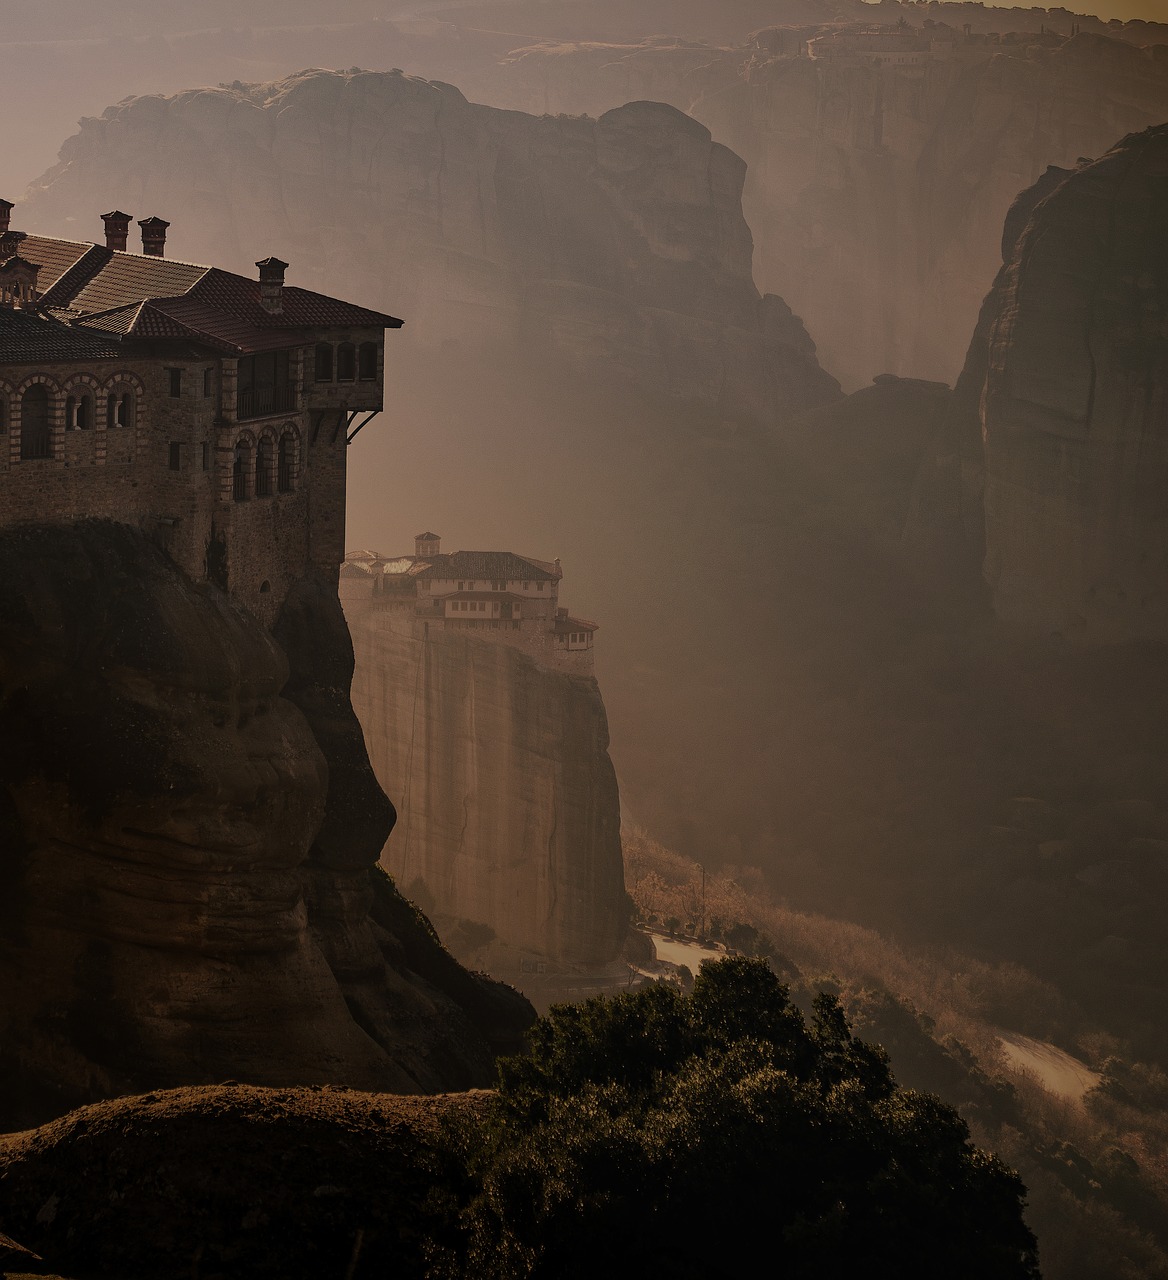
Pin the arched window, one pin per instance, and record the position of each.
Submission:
(263, 478)
(70, 412)
(324, 362)
(285, 463)
(35, 438)
(367, 362)
(83, 419)
(120, 408)
(346, 362)
(240, 471)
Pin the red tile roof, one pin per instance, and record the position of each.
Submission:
(142, 296)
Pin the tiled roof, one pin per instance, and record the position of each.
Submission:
(499, 565)
(142, 296)
(426, 537)
(27, 337)
(564, 625)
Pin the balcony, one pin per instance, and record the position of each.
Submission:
(259, 402)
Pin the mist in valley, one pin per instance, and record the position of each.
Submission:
(785, 358)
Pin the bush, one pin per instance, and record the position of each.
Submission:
(702, 1133)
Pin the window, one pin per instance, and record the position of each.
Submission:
(175, 376)
(239, 472)
(324, 362)
(175, 456)
(540, 586)
(3, 416)
(83, 419)
(263, 479)
(346, 362)
(461, 585)
(367, 362)
(265, 384)
(284, 462)
(119, 409)
(206, 456)
(70, 412)
(208, 383)
(35, 438)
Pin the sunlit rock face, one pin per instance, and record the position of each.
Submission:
(1074, 406)
(620, 240)
(180, 898)
(509, 810)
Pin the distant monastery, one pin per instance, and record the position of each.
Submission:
(500, 596)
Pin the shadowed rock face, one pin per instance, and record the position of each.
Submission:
(169, 913)
(619, 241)
(1071, 372)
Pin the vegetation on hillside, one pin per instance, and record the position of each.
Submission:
(703, 1133)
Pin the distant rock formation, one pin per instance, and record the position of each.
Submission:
(1074, 404)
(620, 240)
(187, 889)
(509, 810)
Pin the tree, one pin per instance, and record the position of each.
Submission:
(701, 1133)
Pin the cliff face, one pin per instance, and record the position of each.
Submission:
(509, 810)
(183, 896)
(1074, 405)
(620, 241)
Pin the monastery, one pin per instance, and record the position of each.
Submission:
(210, 410)
(498, 595)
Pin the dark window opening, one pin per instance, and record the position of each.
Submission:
(208, 382)
(35, 436)
(346, 362)
(263, 481)
(367, 362)
(239, 475)
(284, 464)
(83, 419)
(175, 456)
(265, 384)
(119, 410)
(70, 412)
(324, 362)
(265, 587)
(175, 382)
(206, 457)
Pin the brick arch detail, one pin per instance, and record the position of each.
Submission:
(33, 379)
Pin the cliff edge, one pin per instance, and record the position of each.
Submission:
(187, 876)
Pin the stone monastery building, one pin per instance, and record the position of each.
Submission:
(208, 409)
(496, 595)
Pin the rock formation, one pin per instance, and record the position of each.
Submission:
(1074, 405)
(237, 1181)
(187, 875)
(509, 815)
(620, 241)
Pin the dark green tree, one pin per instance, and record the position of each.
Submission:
(705, 1133)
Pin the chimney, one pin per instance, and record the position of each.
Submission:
(117, 230)
(272, 285)
(154, 237)
(426, 545)
(6, 207)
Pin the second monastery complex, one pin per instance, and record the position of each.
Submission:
(494, 595)
(206, 408)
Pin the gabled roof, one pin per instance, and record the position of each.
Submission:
(28, 337)
(147, 297)
(499, 565)
(565, 625)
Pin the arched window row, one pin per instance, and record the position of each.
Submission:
(78, 403)
(345, 362)
(265, 466)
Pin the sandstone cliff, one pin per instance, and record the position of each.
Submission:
(1074, 405)
(509, 814)
(189, 843)
(620, 241)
